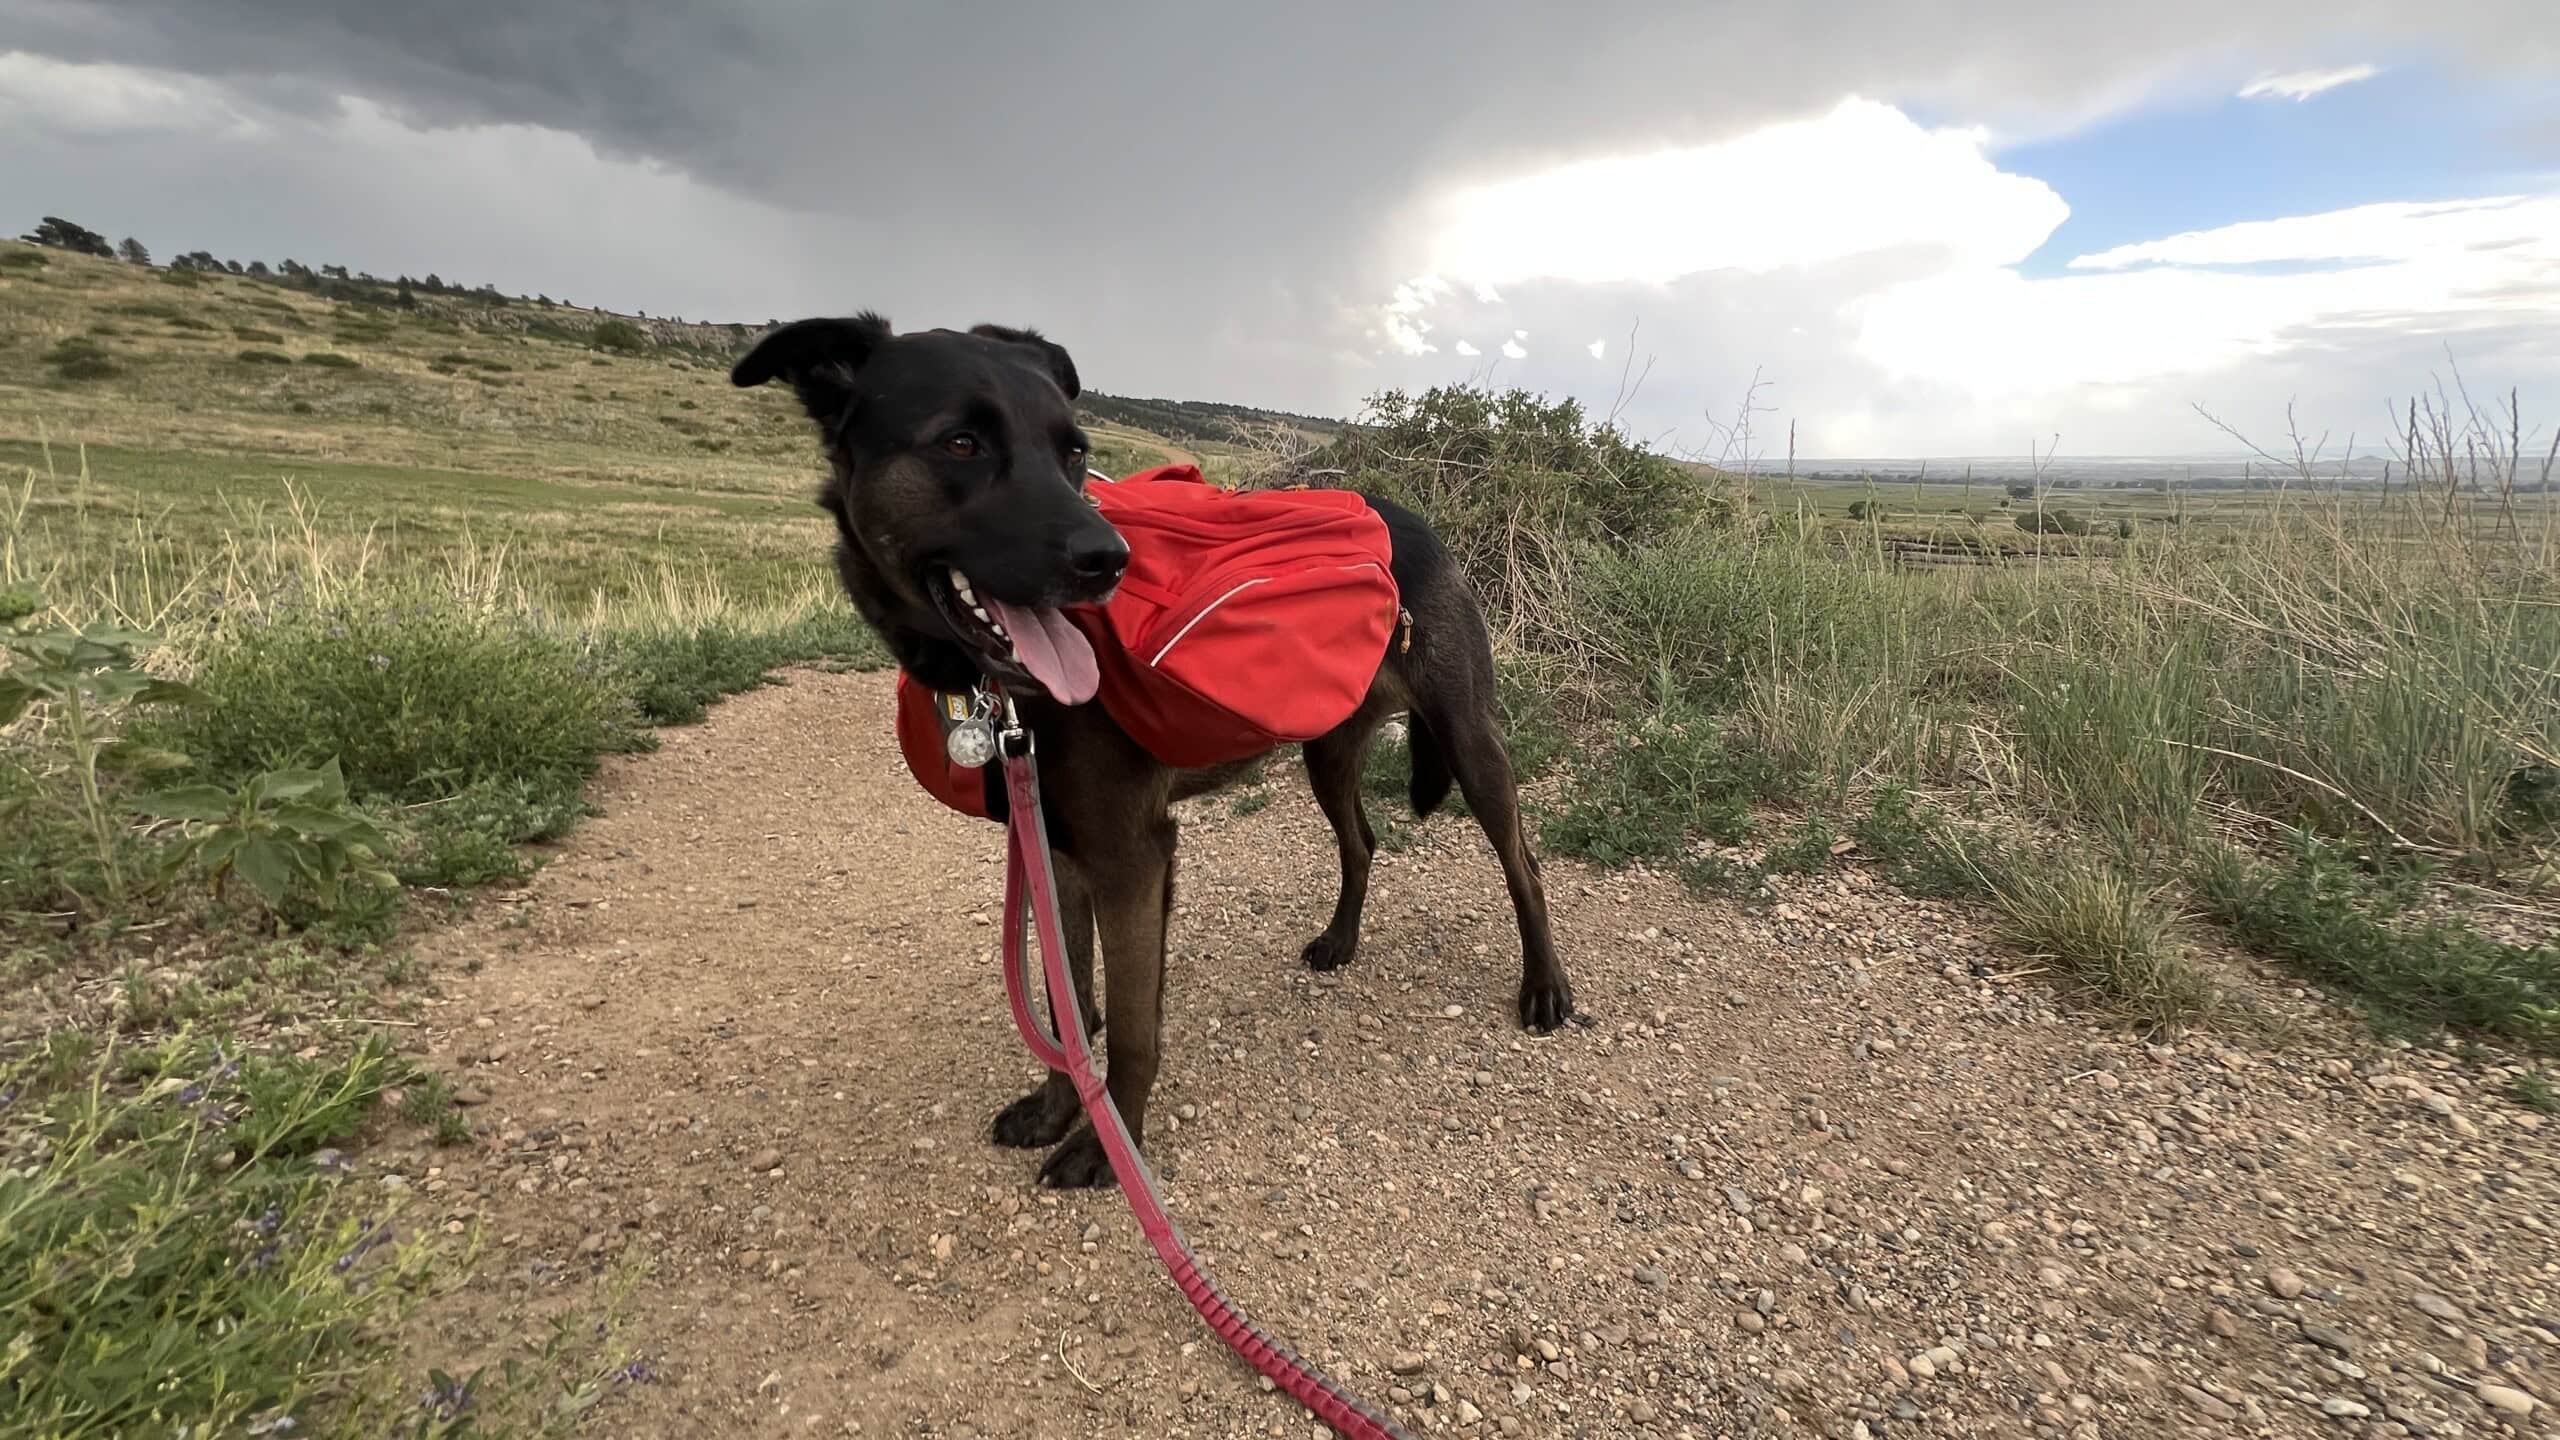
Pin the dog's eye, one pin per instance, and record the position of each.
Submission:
(1075, 452)
(963, 446)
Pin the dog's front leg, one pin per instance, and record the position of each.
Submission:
(1132, 896)
(1043, 1117)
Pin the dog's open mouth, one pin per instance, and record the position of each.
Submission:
(1016, 641)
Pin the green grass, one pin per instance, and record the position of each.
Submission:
(2378, 671)
(1670, 776)
(180, 1250)
(2102, 928)
(2534, 1092)
(416, 697)
(2321, 913)
(427, 1101)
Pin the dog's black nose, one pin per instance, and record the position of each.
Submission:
(1100, 559)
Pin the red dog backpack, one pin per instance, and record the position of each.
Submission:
(1247, 620)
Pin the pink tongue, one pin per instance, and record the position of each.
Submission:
(1052, 649)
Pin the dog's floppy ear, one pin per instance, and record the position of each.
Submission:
(1052, 354)
(818, 357)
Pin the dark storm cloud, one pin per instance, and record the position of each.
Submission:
(1032, 114)
(1208, 196)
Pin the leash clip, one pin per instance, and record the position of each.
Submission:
(1014, 741)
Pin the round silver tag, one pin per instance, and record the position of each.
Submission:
(971, 745)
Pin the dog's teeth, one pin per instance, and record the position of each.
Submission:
(960, 586)
(983, 615)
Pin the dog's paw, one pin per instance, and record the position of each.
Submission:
(1545, 1003)
(1080, 1164)
(1031, 1122)
(1326, 953)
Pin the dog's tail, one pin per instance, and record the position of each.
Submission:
(1430, 769)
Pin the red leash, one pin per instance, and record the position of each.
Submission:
(1028, 882)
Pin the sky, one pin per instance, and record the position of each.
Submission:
(1891, 227)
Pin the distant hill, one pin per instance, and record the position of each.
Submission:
(1202, 420)
(487, 310)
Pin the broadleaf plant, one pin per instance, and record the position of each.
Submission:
(279, 828)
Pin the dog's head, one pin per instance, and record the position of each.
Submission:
(957, 485)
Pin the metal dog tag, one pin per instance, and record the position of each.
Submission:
(972, 744)
(968, 728)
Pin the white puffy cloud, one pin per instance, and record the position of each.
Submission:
(2303, 84)
(1402, 318)
(1463, 348)
(1515, 350)
(1869, 268)
(1860, 178)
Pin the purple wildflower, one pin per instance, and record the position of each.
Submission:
(369, 1236)
(447, 1398)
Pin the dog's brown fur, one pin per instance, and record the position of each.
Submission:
(961, 450)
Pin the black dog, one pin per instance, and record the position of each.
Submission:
(957, 483)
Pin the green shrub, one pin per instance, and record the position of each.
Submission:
(330, 359)
(255, 356)
(1667, 777)
(674, 675)
(182, 279)
(469, 838)
(80, 358)
(1513, 482)
(620, 336)
(1807, 851)
(256, 335)
(2329, 918)
(1918, 855)
(87, 367)
(23, 258)
(417, 699)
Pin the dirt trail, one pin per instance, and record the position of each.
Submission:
(1822, 1170)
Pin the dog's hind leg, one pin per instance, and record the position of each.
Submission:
(1334, 764)
(1470, 739)
(1044, 1116)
